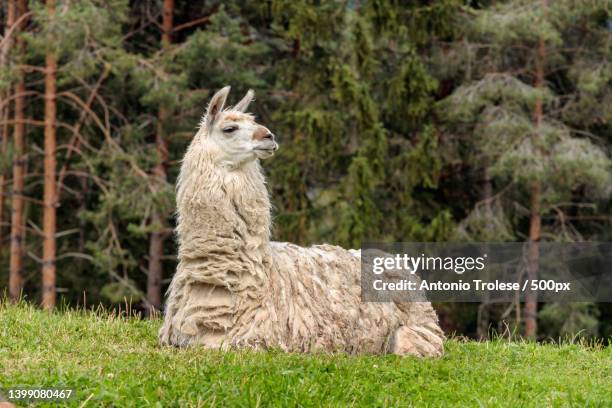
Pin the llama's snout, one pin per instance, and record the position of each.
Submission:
(262, 134)
(265, 140)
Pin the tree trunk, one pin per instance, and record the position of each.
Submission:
(19, 158)
(483, 318)
(158, 219)
(533, 256)
(530, 311)
(5, 110)
(50, 193)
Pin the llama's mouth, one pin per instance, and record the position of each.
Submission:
(265, 152)
(267, 148)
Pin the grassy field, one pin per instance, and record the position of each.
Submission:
(112, 361)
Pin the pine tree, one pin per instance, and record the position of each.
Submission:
(78, 45)
(359, 151)
(156, 248)
(513, 103)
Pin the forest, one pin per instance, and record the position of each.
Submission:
(421, 121)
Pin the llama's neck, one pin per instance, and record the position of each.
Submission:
(221, 208)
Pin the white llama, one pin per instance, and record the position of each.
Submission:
(233, 288)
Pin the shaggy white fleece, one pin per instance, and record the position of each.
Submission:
(233, 288)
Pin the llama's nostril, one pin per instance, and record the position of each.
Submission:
(269, 136)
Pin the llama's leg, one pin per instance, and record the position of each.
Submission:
(417, 340)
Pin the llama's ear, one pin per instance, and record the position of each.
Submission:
(216, 106)
(244, 102)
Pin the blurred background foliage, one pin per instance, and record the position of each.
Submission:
(398, 121)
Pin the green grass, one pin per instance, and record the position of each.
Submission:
(112, 361)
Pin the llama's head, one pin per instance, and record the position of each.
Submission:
(231, 135)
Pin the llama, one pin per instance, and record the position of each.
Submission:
(234, 288)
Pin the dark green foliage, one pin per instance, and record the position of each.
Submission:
(360, 105)
(560, 321)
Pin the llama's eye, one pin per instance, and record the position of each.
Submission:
(230, 129)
